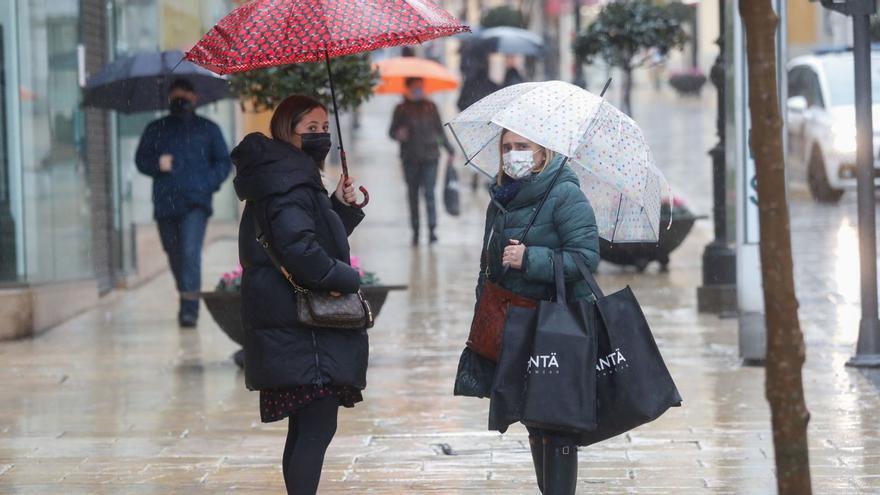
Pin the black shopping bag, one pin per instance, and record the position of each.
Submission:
(474, 375)
(633, 385)
(561, 381)
(508, 387)
(451, 199)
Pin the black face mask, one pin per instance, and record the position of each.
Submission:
(181, 106)
(316, 145)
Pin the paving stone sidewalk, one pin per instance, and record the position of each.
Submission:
(120, 401)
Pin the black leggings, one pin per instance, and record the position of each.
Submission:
(553, 437)
(309, 433)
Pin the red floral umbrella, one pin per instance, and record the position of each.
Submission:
(269, 33)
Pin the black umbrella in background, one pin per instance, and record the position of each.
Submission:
(511, 41)
(140, 82)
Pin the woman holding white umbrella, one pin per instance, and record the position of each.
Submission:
(566, 222)
(554, 146)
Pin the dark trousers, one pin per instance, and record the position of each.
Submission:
(309, 433)
(421, 176)
(182, 239)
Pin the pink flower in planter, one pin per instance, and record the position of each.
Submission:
(234, 274)
(356, 264)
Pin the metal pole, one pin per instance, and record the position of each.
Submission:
(718, 153)
(579, 79)
(718, 291)
(868, 347)
(695, 26)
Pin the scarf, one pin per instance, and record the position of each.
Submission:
(507, 192)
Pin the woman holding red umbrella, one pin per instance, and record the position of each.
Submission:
(271, 33)
(303, 373)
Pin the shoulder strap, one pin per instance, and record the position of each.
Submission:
(258, 212)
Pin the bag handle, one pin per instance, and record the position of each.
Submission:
(263, 241)
(559, 275)
(586, 274)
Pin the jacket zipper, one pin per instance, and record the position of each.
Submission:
(318, 380)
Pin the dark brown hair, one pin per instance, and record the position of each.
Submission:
(289, 113)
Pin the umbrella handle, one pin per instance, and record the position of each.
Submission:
(365, 201)
(363, 189)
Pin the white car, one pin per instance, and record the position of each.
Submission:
(821, 122)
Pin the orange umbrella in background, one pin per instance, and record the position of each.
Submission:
(394, 71)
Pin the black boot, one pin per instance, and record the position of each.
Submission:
(536, 444)
(560, 467)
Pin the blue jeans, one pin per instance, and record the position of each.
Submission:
(182, 239)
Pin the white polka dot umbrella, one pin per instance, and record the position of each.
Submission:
(605, 148)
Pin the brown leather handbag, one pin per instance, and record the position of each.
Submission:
(487, 327)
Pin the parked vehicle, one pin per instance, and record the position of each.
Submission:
(821, 122)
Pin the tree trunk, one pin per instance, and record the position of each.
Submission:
(785, 342)
(627, 90)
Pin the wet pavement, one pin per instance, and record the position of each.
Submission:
(119, 400)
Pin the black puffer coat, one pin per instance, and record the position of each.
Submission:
(309, 232)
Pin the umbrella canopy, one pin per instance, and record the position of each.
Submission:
(605, 147)
(269, 33)
(510, 40)
(395, 71)
(139, 83)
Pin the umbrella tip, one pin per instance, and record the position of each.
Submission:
(604, 89)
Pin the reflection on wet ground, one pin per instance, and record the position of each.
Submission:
(119, 400)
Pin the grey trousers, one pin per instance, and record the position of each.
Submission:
(421, 176)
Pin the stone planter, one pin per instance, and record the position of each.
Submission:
(225, 307)
(687, 83)
(641, 254)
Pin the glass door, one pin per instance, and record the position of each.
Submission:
(11, 238)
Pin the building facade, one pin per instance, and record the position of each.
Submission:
(75, 216)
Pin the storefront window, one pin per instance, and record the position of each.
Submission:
(154, 25)
(9, 227)
(182, 25)
(135, 29)
(57, 226)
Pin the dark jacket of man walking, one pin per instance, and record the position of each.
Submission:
(187, 158)
(417, 126)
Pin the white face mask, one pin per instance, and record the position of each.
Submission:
(518, 163)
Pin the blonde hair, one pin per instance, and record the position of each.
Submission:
(549, 155)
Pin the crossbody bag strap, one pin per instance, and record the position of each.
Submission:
(259, 211)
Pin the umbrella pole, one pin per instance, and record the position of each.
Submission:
(342, 157)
